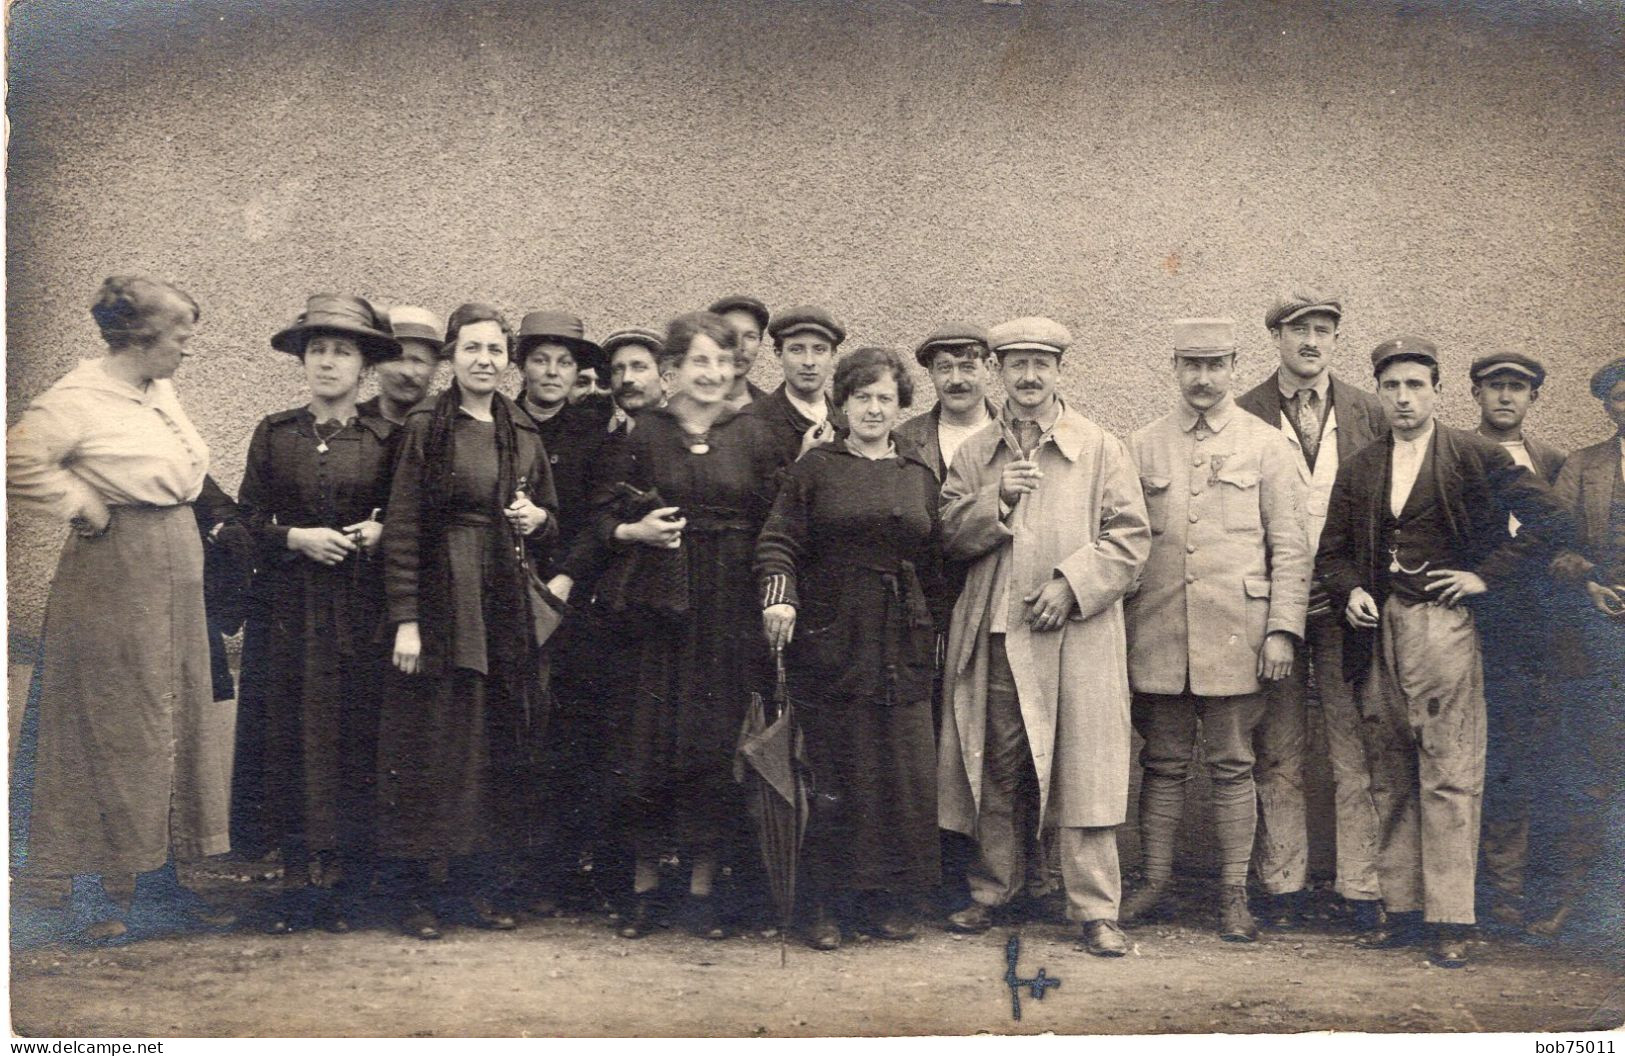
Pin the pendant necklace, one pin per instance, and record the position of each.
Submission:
(321, 441)
(699, 443)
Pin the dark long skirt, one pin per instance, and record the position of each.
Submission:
(874, 816)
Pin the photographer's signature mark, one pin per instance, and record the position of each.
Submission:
(1012, 978)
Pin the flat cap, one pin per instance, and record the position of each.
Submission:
(949, 335)
(633, 335)
(550, 324)
(1300, 303)
(1204, 337)
(739, 302)
(1607, 376)
(1527, 367)
(1403, 347)
(408, 322)
(1030, 333)
(807, 317)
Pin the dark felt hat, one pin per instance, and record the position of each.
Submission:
(739, 302)
(1526, 367)
(1419, 348)
(807, 317)
(332, 313)
(950, 335)
(565, 329)
(1607, 376)
(1300, 303)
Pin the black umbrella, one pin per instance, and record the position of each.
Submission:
(771, 761)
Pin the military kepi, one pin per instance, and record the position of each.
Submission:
(1300, 303)
(1607, 376)
(1417, 348)
(1204, 337)
(803, 318)
(1030, 333)
(1528, 368)
(351, 317)
(951, 335)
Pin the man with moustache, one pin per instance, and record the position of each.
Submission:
(634, 374)
(1592, 572)
(1218, 614)
(956, 358)
(1415, 531)
(404, 380)
(1035, 733)
(1326, 420)
(799, 412)
(749, 318)
(1514, 626)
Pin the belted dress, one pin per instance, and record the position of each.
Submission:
(852, 543)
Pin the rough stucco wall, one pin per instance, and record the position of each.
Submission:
(1454, 170)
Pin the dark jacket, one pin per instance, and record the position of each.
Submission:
(578, 443)
(921, 432)
(1586, 487)
(1479, 485)
(787, 424)
(1360, 420)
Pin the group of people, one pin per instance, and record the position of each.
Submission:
(494, 646)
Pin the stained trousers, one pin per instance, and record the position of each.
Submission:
(1281, 851)
(1170, 725)
(1423, 707)
(1006, 831)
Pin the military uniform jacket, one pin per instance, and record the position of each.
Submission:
(1229, 551)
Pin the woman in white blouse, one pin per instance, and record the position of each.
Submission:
(133, 763)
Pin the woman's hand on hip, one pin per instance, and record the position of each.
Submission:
(323, 545)
(408, 647)
(779, 624)
(525, 515)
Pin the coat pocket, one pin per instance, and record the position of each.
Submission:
(1240, 499)
(1156, 502)
(1258, 609)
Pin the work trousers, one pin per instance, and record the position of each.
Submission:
(1423, 703)
(1006, 831)
(1170, 725)
(1280, 743)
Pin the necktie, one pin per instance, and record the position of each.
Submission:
(1027, 435)
(1307, 410)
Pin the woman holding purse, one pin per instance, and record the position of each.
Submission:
(715, 471)
(471, 513)
(316, 480)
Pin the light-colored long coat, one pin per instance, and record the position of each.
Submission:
(1086, 521)
(1230, 551)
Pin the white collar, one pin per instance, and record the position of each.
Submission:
(1426, 435)
(815, 411)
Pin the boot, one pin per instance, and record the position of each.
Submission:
(1149, 902)
(1236, 922)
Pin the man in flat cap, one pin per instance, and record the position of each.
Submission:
(798, 411)
(956, 357)
(1591, 571)
(1514, 626)
(634, 374)
(1325, 419)
(1035, 732)
(1218, 614)
(749, 318)
(1417, 529)
(404, 380)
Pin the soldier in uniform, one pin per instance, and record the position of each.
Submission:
(1219, 612)
(1416, 528)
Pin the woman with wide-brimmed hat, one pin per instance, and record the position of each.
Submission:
(313, 493)
(472, 513)
(133, 758)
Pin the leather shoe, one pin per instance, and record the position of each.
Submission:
(895, 926)
(1103, 938)
(641, 920)
(485, 914)
(419, 923)
(1149, 902)
(972, 920)
(823, 933)
(1366, 914)
(1449, 946)
(107, 930)
(1284, 912)
(701, 919)
(1402, 929)
(1236, 922)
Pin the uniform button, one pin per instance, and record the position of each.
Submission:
(1190, 577)
(1190, 548)
(1195, 516)
(1198, 460)
(1201, 439)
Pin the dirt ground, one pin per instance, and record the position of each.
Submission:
(571, 976)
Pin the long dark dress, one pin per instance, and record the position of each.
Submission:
(852, 544)
(454, 751)
(688, 681)
(324, 655)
